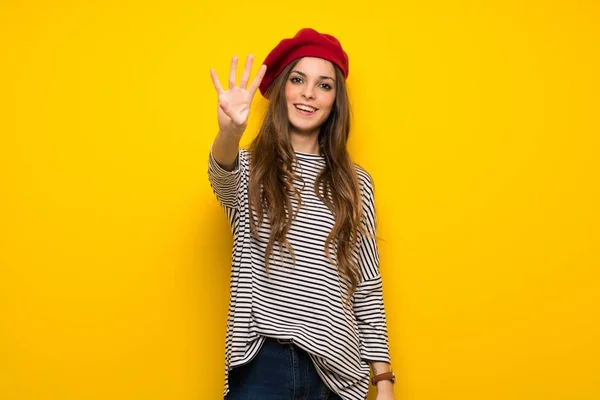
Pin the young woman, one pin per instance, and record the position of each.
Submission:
(306, 314)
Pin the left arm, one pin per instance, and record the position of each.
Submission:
(385, 389)
(370, 315)
(368, 300)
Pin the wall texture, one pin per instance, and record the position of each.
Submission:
(478, 122)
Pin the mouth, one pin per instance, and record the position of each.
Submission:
(305, 109)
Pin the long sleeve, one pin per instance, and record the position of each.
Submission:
(368, 302)
(226, 184)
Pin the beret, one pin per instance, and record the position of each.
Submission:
(306, 43)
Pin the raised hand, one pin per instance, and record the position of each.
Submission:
(234, 103)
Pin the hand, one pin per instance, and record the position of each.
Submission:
(234, 103)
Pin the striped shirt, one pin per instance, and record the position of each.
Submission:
(302, 301)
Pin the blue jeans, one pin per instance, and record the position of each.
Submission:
(280, 371)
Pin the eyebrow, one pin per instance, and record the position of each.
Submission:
(321, 77)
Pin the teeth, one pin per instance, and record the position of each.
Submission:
(305, 108)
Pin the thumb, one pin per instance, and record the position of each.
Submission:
(224, 106)
(230, 112)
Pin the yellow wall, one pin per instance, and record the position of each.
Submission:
(479, 123)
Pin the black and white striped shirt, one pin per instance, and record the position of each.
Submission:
(304, 301)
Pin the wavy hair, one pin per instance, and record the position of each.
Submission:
(272, 174)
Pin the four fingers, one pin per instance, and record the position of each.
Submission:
(245, 76)
(257, 79)
(216, 83)
(232, 72)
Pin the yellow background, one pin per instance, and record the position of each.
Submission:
(478, 121)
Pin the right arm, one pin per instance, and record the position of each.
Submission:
(232, 112)
(225, 149)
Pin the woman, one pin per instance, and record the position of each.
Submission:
(306, 315)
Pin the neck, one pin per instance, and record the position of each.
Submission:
(305, 143)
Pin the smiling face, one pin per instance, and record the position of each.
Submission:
(310, 94)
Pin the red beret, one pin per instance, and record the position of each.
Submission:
(306, 43)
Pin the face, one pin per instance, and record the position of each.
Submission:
(310, 94)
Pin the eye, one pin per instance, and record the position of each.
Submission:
(326, 86)
(295, 79)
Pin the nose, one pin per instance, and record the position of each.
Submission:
(308, 93)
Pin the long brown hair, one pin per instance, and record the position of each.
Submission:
(272, 174)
